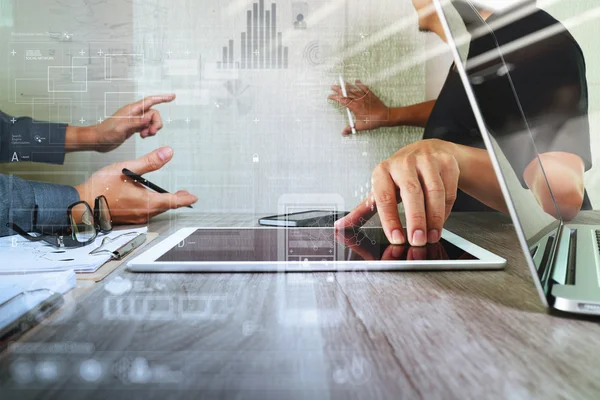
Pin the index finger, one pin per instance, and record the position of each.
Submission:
(359, 216)
(337, 89)
(384, 190)
(147, 102)
(341, 100)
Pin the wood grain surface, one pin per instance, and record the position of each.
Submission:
(352, 335)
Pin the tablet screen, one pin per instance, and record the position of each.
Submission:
(303, 245)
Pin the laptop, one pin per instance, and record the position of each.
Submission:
(563, 257)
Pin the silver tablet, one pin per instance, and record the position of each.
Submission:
(270, 249)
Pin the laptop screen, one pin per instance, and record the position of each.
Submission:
(524, 77)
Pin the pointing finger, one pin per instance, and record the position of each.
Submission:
(359, 216)
(147, 102)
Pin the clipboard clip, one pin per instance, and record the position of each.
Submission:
(122, 251)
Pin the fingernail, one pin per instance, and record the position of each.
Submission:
(433, 236)
(419, 238)
(165, 153)
(397, 237)
(396, 252)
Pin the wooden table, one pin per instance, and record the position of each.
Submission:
(355, 335)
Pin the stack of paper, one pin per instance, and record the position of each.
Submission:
(58, 282)
(20, 255)
(21, 293)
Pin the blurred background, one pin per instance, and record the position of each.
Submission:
(251, 122)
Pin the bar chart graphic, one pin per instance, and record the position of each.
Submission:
(261, 45)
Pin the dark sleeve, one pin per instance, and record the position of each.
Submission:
(552, 95)
(24, 139)
(19, 197)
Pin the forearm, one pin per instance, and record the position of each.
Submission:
(18, 200)
(80, 138)
(415, 115)
(564, 173)
(477, 176)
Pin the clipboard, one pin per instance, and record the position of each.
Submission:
(112, 265)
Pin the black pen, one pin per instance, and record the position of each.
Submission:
(139, 179)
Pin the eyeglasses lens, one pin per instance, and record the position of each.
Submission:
(82, 222)
(104, 214)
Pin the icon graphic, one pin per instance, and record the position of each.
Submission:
(235, 95)
(47, 371)
(255, 158)
(118, 286)
(90, 370)
(299, 13)
(140, 371)
(315, 53)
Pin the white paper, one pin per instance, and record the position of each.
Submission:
(19, 255)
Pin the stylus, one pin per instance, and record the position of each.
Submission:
(143, 181)
(345, 93)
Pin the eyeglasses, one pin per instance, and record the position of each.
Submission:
(84, 225)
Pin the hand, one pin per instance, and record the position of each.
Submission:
(130, 119)
(424, 176)
(369, 252)
(132, 203)
(369, 110)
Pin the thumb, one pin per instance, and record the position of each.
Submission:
(347, 130)
(151, 161)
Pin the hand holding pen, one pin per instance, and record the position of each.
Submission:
(135, 178)
(131, 202)
(370, 112)
(345, 94)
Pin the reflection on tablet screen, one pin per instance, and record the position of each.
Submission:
(303, 245)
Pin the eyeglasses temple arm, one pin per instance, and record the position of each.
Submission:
(22, 232)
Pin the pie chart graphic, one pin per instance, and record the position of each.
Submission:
(236, 95)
